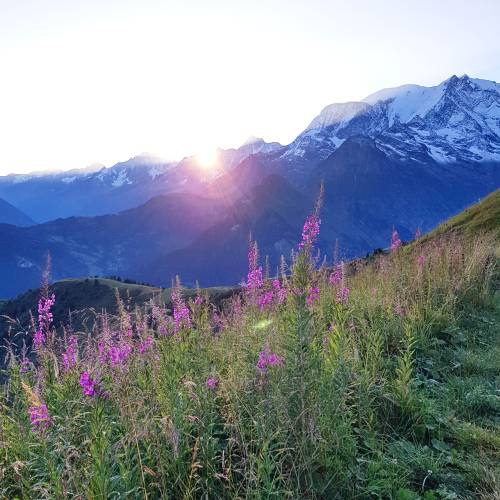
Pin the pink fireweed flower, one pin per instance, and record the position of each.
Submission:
(310, 231)
(45, 319)
(253, 256)
(218, 321)
(312, 296)
(157, 313)
(39, 417)
(102, 350)
(266, 299)
(255, 278)
(182, 318)
(342, 296)
(279, 291)
(268, 359)
(146, 345)
(337, 274)
(118, 354)
(212, 383)
(418, 233)
(395, 241)
(164, 323)
(115, 353)
(69, 355)
(88, 384)
(198, 300)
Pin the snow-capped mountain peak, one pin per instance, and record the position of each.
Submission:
(456, 120)
(408, 101)
(338, 113)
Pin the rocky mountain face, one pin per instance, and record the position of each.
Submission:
(407, 157)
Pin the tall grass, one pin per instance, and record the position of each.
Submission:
(305, 386)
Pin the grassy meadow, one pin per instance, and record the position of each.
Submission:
(377, 379)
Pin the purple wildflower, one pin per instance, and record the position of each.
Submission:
(45, 319)
(279, 291)
(146, 345)
(310, 231)
(418, 233)
(118, 354)
(212, 383)
(88, 384)
(39, 417)
(342, 295)
(103, 352)
(218, 321)
(69, 355)
(266, 299)
(268, 359)
(312, 296)
(337, 274)
(395, 241)
(162, 321)
(255, 278)
(182, 318)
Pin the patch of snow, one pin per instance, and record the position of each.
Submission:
(438, 154)
(155, 171)
(416, 102)
(121, 179)
(68, 180)
(485, 155)
(391, 93)
(17, 179)
(338, 114)
(486, 84)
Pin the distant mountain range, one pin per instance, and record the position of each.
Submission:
(406, 157)
(9, 214)
(97, 190)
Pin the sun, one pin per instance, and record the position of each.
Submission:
(207, 159)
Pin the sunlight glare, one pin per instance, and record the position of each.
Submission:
(207, 159)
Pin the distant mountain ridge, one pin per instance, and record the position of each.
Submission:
(9, 214)
(97, 190)
(408, 157)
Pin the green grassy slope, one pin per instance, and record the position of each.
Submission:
(383, 383)
(482, 217)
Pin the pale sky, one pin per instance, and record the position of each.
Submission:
(86, 81)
